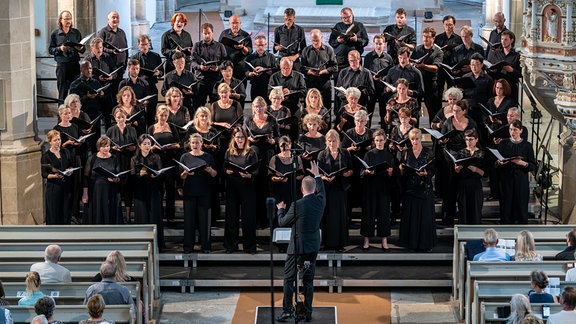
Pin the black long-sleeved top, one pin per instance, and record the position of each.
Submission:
(341, 50)
(442, 39)
(482, 92)
(128, 136)
(522, 149)
(105, 63)
(118, 39)
(323, 57)
(171, 40)
(513, 58)
(361, 79)
(466, 173)
(212, 51)
(398, 32)
(81, 87)
(494, 38)
(235, 55)
(235, 85)
(57, 38)
(286, 36)
(251, 158)
(375, 62)
(293, 82)
(141, 87)
(411, 74)
(198, 184)
(49, 161)
(457, 142)
(461, 53)
(266, 60)
(150, 61)
(186, 78)
(434, 58)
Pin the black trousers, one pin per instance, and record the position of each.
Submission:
(196, 215)
(65, 74)
(293, 261)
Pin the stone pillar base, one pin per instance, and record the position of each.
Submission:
(21, 184)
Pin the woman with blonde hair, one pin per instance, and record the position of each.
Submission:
(280, 112)
(336, 165)
(526, 247)
(33, 292)
(95, 307)
(315, 105)
(179, 115)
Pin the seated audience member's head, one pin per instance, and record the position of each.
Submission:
(525, 245)
(53, 253)
(39, 319)
(519, 307)
(95, 306)
(568, 298)
(539, 279)
(45, 306)
(490, 237)
(531, 319)
(33, 282)
(571, 238)
(107, 270)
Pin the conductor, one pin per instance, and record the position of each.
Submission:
(305, 216)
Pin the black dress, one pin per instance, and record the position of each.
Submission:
(355, 192)
(469, 187)
(240, 203)
(126, 137)
(514, 181)
(284, 191)
(335, 222)
(197, 190)
(418, 226)
(167, 157)
(313, 145)
(104, 196)
(58, 192)
(376, 195)
(180, 119)
(147, 193)
(78, 155)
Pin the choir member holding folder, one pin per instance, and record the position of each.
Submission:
(101, 186)
(177, 40)
(376, 172)
(469, 166)
(151, 68)
(179, 115)
(514, 175)
(418, 226)
(182, 79)
(312, 141)
(148, 186)
(455, 125)
(135, 117)
(196, 191)
(283, 175)
(282, 115)
(166, 143)
(335, 164)
(315, 105)
(56, 163)
(240, 167)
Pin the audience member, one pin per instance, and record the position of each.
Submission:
(33, 292)
(112, 292)
(3, 301)
(117, 259)
(568, 252)
(95, 307)
(520, 309)
(539, 281)
(39, 319)
(568, 314)
(5, 315)
(525, 247)
(50, 271)
(45, 306)
(570, 274)
(492, 253)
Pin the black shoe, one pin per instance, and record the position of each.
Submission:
(308, 317)
(283, 317)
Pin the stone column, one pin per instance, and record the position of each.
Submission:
(20, 179)
(140, 24)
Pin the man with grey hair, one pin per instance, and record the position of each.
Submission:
(292, 83)
(112, 292)
(39, 319)
(50, 271)
(492, 253)
(304, 216)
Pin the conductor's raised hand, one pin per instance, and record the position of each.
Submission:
(314, 168)
(281, 205)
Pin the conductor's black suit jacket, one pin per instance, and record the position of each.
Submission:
(305, 222)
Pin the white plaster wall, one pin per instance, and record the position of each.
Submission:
(151, 11)
(40, 24)
(103, 7)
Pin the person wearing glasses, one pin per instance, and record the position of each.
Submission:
(318, 65)
(353, 76)
(343, 42)
(259, 67)
(240, 193)
(291, 82)
(469, 180)
(182, 78)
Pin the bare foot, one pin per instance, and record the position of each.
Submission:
(385, 244)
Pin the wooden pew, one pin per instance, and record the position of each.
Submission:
(489, 311)
(74, 313)
(500, 291)
(80, 272)
(506, 271)
(464, 233)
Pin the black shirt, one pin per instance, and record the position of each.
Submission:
(341, 50)
(398, 32)
(57, 38)
(361, 79)
(322, 58)
(149, 61)
(452, 41)
(213, 51)
(267, 60)
(434, 58)
(118, 39)
(236, 55)
(482, 92)
(411, 74)
(285, 36)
